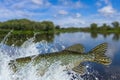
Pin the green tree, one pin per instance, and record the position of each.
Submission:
(104, 27)
(93, 26)
(115, 24)
(57, 27)
(25, 24)
(48, 25)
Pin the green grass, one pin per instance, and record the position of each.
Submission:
(59, 31)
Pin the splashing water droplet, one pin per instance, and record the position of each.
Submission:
(31, 72)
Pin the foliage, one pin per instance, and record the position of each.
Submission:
(48, 26)
(115, 24)
(103, 29)
(25, 24)
(57, 27)
(93, 26)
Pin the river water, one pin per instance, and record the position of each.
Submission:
(56, 71)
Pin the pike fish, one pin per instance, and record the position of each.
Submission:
(71, 57)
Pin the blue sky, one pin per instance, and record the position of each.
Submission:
(66, 13)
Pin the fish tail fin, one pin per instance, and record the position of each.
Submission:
(99, 53)
(99, 56)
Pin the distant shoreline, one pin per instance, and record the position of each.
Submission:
(25, 26)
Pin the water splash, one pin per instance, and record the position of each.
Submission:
(31, 72)
(6, 37)
(5, 71)
(54, 72)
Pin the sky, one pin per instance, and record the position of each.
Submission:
(66, 13)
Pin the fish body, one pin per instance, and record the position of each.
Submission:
(71, 57)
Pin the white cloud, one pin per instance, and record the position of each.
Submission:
(62, 12)
(41, 2)
(107, 10)
(100, 19)
(19, 5)
(38, 2)
(69, 21)
(6, 14)
(9, 14)
(78, 15)
(30, 4)
(71, 4)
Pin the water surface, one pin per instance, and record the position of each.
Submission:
(15, 46)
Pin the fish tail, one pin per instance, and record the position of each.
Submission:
(99, 54)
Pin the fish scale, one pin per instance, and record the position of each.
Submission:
(73, 55)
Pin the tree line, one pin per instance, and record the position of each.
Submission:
(114, 27)
(25, 24)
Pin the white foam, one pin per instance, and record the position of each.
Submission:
(30, 72)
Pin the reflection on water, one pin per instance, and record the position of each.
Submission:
(116, 36)
(18, 39)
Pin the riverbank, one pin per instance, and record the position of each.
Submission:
(60, 31)
(26, 26)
